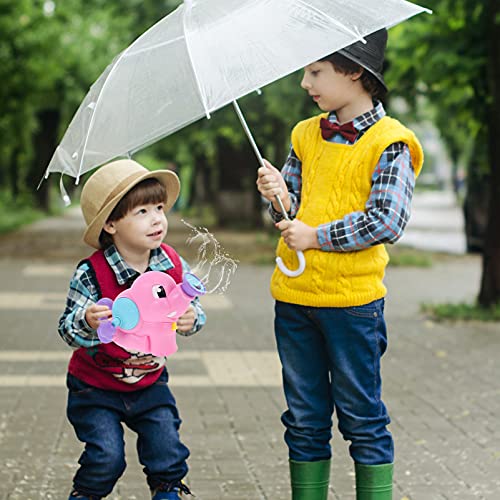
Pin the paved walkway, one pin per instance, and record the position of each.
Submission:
(440, 384)
(436, 223)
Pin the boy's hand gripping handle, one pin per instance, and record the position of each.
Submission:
(300, 254)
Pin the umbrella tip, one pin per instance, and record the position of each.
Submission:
(66, 200)
(64, 194)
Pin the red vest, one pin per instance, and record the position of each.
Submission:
(107, 366)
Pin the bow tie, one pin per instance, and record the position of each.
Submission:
(329, 129)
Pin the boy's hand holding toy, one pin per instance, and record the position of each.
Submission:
(95, 313)
(186, 322)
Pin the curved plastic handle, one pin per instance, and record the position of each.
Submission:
(106, 330)
(288, 272)
(192, 285)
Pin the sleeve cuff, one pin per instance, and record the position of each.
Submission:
(81, 322)
(275, 215)
(324, 237)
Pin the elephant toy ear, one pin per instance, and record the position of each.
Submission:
(125, 314)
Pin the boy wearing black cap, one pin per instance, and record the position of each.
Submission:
(347, 186)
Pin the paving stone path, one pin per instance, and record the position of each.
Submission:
(441, 384)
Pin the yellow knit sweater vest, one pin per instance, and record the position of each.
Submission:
(336, 180)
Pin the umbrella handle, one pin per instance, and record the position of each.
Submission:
(288, 272)
(300, 255)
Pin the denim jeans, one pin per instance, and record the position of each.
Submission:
(97, 416)
(331, 361)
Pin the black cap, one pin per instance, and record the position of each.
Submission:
(369, 55)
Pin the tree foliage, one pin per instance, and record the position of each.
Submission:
(52, 51)
(442, 59)
(451, 60)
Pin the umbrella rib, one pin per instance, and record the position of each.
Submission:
(95, 112)
(333, 20)
(152, 47)
(186, 8)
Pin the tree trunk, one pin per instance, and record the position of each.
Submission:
(237, 171)
(44, 145)
(14, 171)
(490, 281)
(3, 172)
(202, 190)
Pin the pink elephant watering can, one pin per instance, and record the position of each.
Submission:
(145, 315)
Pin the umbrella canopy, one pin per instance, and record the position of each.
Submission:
(204, 55)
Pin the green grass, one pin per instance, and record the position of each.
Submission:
(263, 253)
(16, 213)
(200, 215)
(461, 312)
(20, 211)
(407, 257)
(267, 238)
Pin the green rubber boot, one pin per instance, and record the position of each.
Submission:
(310, 480)
(373, 482)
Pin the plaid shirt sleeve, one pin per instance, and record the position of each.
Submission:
(201, 317)
(386, 212)
(292, 174)
(73, 328)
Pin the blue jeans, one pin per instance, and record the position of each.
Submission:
(331, 360)
(97, 417)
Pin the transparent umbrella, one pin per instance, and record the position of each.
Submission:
(202, 56)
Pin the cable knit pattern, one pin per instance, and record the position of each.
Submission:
(336, 180)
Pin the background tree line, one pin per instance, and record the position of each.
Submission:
(446, 67)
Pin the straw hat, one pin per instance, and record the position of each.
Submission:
(107, 186)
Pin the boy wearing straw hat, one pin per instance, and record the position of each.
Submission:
(124, 206)
(347, 184)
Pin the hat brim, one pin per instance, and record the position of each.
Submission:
(168, 178)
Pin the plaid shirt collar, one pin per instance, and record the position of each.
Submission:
(364, 121)
(158, 261)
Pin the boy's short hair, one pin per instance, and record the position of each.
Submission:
(146, 192)
(347, 67)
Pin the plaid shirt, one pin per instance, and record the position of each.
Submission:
(388, 207)
(73, 327)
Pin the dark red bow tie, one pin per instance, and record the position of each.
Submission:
(329, 129)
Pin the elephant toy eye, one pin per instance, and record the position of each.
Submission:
(159, 292)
